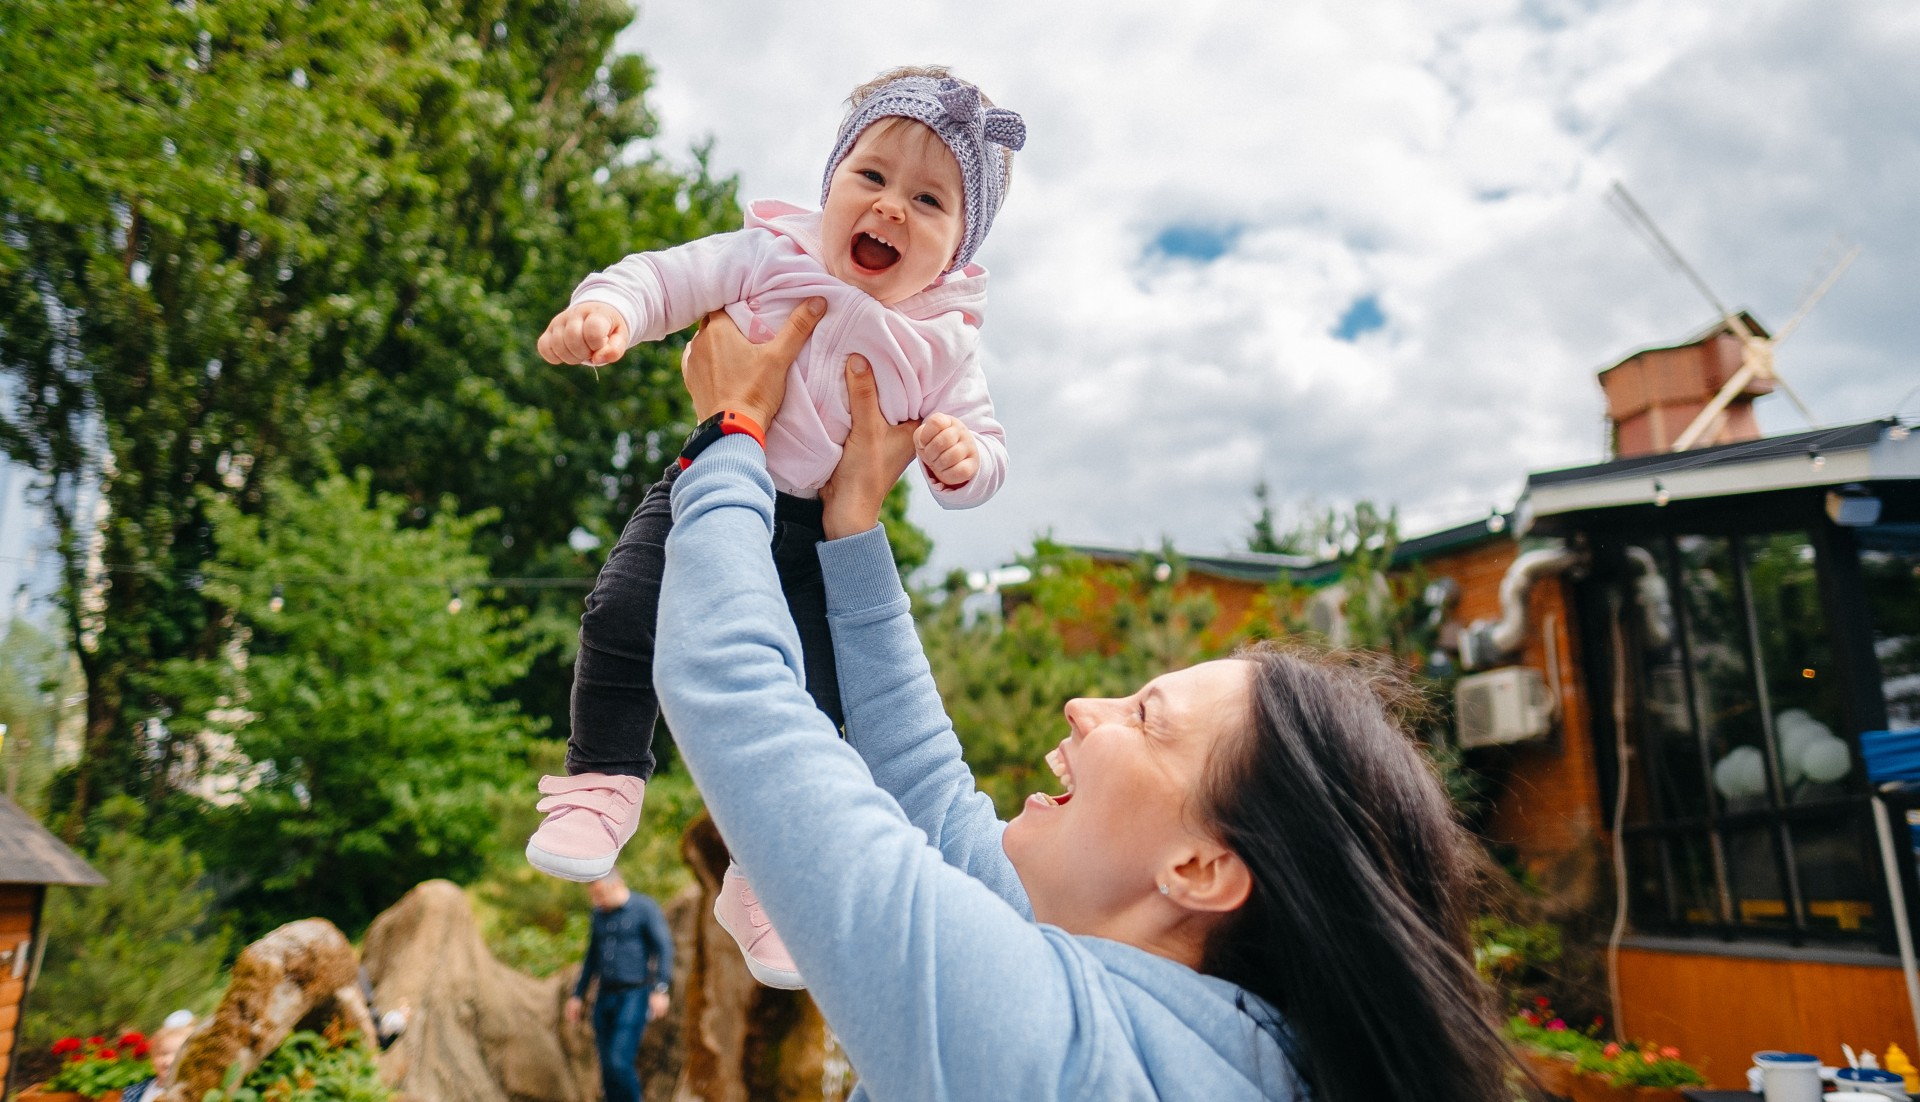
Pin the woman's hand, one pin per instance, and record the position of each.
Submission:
(872, 460)
(724, 370)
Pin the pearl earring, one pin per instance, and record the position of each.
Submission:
(1163, 889)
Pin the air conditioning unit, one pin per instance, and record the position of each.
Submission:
(1502, 706)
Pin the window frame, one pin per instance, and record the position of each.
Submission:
(1848, 635)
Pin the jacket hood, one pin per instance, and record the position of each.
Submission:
(1189, 1033)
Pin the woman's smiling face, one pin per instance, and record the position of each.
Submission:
(1133, 768)
(895, 211)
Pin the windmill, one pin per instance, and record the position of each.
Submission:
(1757, 359)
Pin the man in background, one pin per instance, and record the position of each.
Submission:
(630, 951)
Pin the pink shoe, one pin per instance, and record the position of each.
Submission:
(589, 817)
(739, 913)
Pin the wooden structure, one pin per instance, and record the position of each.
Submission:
(30, 860)
(1653, 396)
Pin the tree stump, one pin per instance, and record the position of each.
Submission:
(301, 974)
(743, 1041)
(477, 1030)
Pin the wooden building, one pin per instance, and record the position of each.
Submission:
(30, 860)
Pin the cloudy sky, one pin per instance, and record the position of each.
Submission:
(1356, 249)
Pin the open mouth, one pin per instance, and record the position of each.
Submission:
(872, 254)
(1057, 761)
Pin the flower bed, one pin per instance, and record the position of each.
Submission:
(95, 1068)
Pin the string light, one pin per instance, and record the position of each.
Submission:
(1660, 494)
(1818, 460)
(1495, 522)
(454, 603)
(279, 599)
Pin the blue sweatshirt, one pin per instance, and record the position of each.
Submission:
(879, 861)
(629, 945)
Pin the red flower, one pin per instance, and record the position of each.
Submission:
(109, 1054)
(96, 1041)
(1531, 1017)
(75, 1057)
(1610, 1051)
(130, 1039)
(1649, 1057)
(1556, 1024)
(1670, 1052)
(140, 1050)
(1598, 1021)
(65, 1045)
(1540, 1001)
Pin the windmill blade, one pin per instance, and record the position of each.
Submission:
(1636, 217)
(1797, 403)
(1806, 304)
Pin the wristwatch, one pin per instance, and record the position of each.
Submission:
(725, 423)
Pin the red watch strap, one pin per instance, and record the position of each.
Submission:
(731, 422)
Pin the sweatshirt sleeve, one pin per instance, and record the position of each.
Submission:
(664, 292)
(895, 717)
(967, 399)
(591, 965)
(938, 988)
(662, 937)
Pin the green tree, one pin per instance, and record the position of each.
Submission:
(351, 738)
(251, 237)
(37, 677)
(1077, 628)
(122, 956)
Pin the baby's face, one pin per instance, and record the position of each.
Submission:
(895, 211)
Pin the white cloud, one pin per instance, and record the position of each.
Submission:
(1446, 158)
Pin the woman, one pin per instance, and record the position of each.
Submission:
(1252, 886)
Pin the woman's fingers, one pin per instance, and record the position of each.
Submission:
(723, 370)
(871, 461)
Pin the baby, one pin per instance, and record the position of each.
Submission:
(912, 186)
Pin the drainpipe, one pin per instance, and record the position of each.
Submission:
(1488, 642)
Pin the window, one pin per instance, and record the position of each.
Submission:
(1751, 817)
(1890, 573)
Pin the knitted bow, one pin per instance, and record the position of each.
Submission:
(962, 101)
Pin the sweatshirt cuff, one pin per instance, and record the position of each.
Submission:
(609, 295)
(731, 471)
(859, 572)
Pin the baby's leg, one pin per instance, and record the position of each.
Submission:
(796, 529)
(594, 810)
(614, 707)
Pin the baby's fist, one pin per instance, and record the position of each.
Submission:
(946, 447)
(590, 333)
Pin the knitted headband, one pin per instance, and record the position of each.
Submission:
(952, 109)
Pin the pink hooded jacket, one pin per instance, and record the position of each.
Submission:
(924, 350)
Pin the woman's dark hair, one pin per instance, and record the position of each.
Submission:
(1356, 929)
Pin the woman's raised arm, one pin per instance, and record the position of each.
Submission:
(894, 714)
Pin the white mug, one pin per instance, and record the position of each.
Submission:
(1788, 1076)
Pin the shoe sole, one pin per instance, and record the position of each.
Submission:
(784, 979)
(580, 870)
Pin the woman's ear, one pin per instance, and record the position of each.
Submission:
(1213, 879)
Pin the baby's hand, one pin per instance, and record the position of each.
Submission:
(590, 333)
(946, 446)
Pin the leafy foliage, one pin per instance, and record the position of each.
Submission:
(1077, 629)
(354, 736)
(264, 237)
(37, 676)
(123, 955)
(96, 1065)
(309, 1067)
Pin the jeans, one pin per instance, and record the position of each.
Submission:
(614, 708)
(619, 1021)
